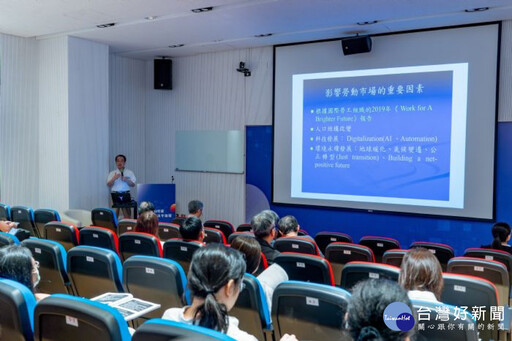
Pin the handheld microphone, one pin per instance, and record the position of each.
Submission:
(122, 173)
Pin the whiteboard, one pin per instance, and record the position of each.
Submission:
(210, 151)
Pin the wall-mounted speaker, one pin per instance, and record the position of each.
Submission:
(163, 74)
(358, 44)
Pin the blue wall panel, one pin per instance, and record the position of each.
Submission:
(460, 234)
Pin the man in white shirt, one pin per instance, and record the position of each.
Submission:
(121, 180)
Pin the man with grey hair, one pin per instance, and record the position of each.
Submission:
(195, 208)
(263, 226)
(289, 227)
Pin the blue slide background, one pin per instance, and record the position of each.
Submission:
(162, 196)
(420, 170)
(458, 233)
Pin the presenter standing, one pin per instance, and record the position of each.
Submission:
(121, 180)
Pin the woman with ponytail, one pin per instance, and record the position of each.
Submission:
(364, 318)
(215, 279)
(501, 236)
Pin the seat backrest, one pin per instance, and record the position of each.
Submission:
(442, 252)
(126, 225)
(212, 235)
(155, 280)
(178, 221)
(160, 330)
(94, 271)
(168, 231)
(100, 237)
(307, 268)
(65, 234)
(52, 265)
(469, 291)
(302, 233)
(25, 217)
(8, 239)
(379, 245)
(64, 317)
(310, 311)
(43, 216)
(394, 257)
(503, 257)
(263, 264)
(433, 320)
(323, 239)
(296, 244)
(233, 235)
(181, 251)
(339, 254)
(354, 272)
(251, 308)
(104, 217)
(138, 243)
(16, 315)
(245, 227)
(224, 226)
(5, 212)
(493, 271)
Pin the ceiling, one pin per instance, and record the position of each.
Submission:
(231, 24)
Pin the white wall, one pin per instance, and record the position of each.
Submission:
(19, 133)
(128, 114)
(53, 124)
(88, 88)
(208, 94)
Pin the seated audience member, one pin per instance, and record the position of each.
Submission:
(17, 264)
(215, 281)
(501, 235)
(146, 206)
(273, 214)
(192, 229)
(289, 227)
(263, 227)
(250, 247)
(365, 311)
(271, 277)
(12, 229)
(421, 275)
(147, 223)
(195, 208)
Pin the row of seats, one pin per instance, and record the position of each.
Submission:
(34, 222)
(310, 311)
(64, 317)
(28, 219)
(337, 253)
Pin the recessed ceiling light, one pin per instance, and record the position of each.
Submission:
(151, 17)
(263, 35)
(477, 9)
(362, 23)
(201, 10)
(176, 45)
(106, 25)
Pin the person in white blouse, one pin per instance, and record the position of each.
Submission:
(215, 280)
(421, 275)
(121, 179)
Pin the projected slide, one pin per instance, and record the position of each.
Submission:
(394, 135)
